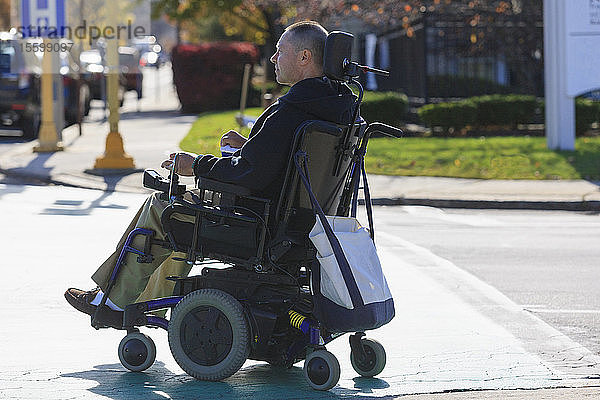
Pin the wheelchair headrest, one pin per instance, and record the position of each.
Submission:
(337, 54)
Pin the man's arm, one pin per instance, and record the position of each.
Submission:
(262, 159)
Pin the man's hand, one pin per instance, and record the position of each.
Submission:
(182, 162)
(233, 139)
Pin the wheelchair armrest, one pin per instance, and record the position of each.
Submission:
(154, 180)
(222, 187)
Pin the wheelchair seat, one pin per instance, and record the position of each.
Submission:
(230, 225)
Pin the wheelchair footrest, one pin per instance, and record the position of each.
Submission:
(105, 317)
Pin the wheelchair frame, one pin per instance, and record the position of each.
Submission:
(275, 300)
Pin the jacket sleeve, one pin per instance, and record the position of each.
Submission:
(261, 160)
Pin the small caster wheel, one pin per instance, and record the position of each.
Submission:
(137, 352)
(321, 370)
(374, 360)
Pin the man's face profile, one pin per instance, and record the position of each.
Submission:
(285, 61)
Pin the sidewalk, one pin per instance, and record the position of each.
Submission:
(149, 135)
(156, 130)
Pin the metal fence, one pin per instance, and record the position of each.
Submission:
(441, 56)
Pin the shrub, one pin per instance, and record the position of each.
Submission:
(209, 76)
(491, 110)
(387, 107)
(501, 110)
(505, 110)
(455, 115)
(586, 113)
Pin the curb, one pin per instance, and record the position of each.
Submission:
(580, 206)
(589, 206)
(489, 204)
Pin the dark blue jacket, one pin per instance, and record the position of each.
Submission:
(261, 163)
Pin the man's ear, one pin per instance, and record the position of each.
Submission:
(305, 57)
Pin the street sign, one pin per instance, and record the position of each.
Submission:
(571, 64)
(43, 18)
(583, 42)
(46, 18)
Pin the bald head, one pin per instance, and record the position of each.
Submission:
(311, 36)
(299, 53)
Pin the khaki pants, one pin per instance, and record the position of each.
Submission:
(137, 281)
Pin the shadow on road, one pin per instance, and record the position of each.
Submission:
(73, 207)
(255, 382)
(12, 186)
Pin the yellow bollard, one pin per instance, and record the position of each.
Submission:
(114, 155)
(48, 137)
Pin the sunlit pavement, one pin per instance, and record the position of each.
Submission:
(451, 331)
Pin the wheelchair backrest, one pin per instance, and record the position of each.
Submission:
(329, 148)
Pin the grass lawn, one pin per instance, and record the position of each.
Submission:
(487, 158)
(204, 136)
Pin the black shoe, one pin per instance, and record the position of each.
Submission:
(81, 299)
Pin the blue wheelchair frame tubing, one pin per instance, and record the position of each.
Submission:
(128, 249)
(166, 302)
(152, 305)
(157, 322)
(311, 332)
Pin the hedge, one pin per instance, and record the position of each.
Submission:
(387, 107)
(500, 110)
(504, 110)
(456, 115)
(208, 76)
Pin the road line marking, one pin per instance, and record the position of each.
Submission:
(550, 311)
(462, 219)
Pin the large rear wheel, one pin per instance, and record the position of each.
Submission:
(209, 335)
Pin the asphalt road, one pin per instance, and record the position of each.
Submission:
(453, 331)
(546, 261)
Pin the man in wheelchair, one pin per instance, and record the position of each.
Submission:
(282, 299)
(258, 165)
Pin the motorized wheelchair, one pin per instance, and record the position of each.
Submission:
(260, 307)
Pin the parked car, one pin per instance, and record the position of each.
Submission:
(152, 54)
(20, 86)
(93, 67)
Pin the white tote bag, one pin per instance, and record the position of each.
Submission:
(350, 292)
(359, 250)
